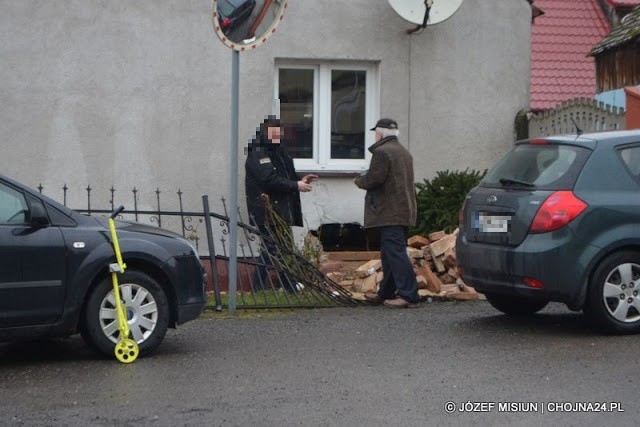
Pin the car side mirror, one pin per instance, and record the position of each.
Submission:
(39, 217)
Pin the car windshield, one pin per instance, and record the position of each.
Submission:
(538, 166)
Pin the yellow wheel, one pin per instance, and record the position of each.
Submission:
(126, 350)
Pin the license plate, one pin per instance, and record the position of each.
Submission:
(492, 223)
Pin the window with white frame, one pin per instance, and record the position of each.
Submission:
(327, 109)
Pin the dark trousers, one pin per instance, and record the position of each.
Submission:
(399, 276)
(269, 252)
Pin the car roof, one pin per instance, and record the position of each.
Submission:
(591, 139)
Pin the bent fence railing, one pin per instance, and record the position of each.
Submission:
(269, 275)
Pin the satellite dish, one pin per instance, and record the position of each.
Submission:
(416, 10)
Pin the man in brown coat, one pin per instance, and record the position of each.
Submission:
(390, 205)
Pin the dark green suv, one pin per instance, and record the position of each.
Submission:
(558, 219)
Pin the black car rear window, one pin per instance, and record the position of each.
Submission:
(226, 7)
(538, 166)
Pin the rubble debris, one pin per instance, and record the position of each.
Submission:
(369, 268)
(418, 242)
(433, 259)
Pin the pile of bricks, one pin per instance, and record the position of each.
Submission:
(434, 263)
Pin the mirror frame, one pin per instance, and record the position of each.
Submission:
(257, 40)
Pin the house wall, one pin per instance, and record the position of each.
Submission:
(633, 107)
(122, 93)
(615, 98)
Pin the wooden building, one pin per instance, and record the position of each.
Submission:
(618, 55)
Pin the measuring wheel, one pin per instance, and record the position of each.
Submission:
(126, 350)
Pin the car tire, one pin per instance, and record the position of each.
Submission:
(613, 301)
(515, 306)
(147, 311)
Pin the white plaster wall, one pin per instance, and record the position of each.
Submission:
(455, 88)
(136, 93)
(102, 92)
(469, 77)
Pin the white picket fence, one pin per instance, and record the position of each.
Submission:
(589, 114)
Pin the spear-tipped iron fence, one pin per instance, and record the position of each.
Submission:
(270, 275)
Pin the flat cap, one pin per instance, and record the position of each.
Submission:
(386, 123)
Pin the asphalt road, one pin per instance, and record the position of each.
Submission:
(344, 366)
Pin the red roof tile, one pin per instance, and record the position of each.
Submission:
(560, 41)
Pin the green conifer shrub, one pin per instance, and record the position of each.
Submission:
(440, 200)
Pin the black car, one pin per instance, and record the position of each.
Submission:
(232, 12)
(558, 219)
(55, 280)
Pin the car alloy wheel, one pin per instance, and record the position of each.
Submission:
(146, 308)
(140, 308)
(613, 302)
(621, 292)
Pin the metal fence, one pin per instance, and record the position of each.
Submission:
(269, 274)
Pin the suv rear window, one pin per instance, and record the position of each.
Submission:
(540, 166)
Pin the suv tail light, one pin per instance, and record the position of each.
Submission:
(225, 22)
(558, 210)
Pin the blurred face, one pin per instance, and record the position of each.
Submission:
(273, 134)
(378, 135)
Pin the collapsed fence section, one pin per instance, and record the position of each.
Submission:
(269, 274)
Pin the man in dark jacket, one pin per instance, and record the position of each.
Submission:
(270, 177)
(390, 205)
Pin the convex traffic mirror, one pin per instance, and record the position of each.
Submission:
(246, 24)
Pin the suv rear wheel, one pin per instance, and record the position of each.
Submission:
(613, 303)
(146, 308)
(515, 306)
